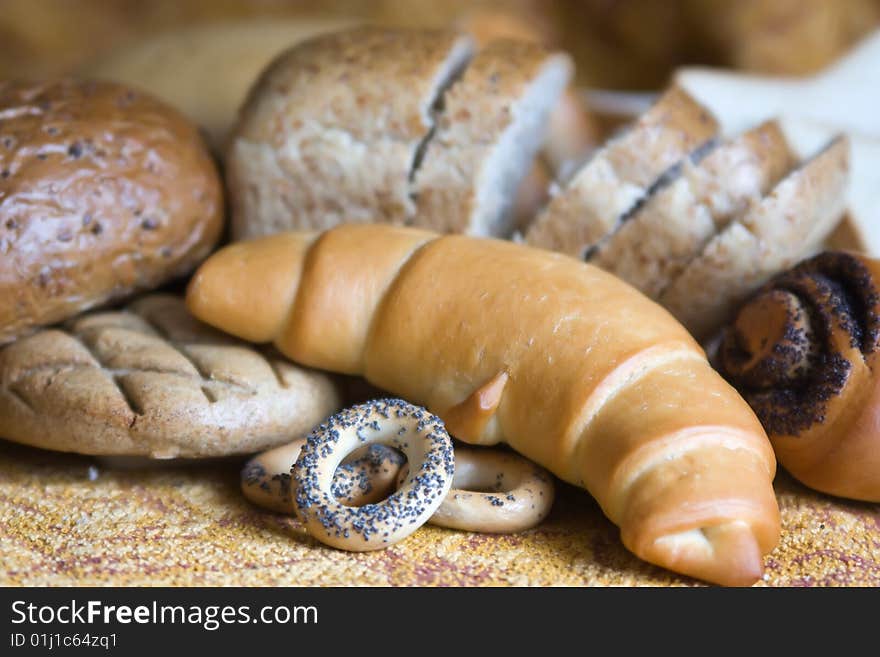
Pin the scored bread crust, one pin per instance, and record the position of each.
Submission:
(621, 173)
(786, 226)
(150, 380)
(491, 126)
(655, 244)
(331, 130)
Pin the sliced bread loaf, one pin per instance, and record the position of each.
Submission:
(621, 174)
(787, 225)
(655, 244)
(332, 129)
(492, 123)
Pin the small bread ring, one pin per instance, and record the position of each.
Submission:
(368, 475)
(420, 435)
(494, 491)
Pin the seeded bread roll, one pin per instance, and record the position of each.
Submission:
(492, 124)
(621, 174)
(657, 242)
(152, 381)
(103, 191)
(332, 130)
(788, 225)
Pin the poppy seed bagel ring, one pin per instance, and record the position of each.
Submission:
(370, 474)
(494, 491)
(421, 436)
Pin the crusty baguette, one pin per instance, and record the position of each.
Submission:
(332, 129)
(786, 226)
(653, 246)
(492, 125)
(621, 174)
(566, 363)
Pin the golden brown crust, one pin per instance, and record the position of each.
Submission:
(613, 181)
(152, 381)
(104, 191)
(337, 343)
(595, 373)
(809, 370)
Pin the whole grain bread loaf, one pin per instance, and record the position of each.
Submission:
(390, 125)
(620, 175)
(332, 129)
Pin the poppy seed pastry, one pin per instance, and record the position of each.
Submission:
(104, 191)
(803, 351)
(150, 380)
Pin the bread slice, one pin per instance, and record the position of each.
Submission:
(655, 244)
(786, 226)
(332, 129)
(621, 174)
(491, 126)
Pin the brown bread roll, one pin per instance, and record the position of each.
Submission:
(103, 191)
(804, 353)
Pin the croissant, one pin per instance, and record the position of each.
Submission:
(804, 352)
(570, 366)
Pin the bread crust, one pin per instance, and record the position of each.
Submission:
(150, 380)
(621, 173)
(331, 130)
(104, 191)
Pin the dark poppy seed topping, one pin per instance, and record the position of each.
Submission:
(428, 449)
(790, 374)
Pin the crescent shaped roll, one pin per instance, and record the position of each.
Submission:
(804, 353)
(570, 366)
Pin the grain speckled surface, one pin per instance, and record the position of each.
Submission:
(67, 520)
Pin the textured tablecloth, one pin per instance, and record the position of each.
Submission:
(68, 520)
